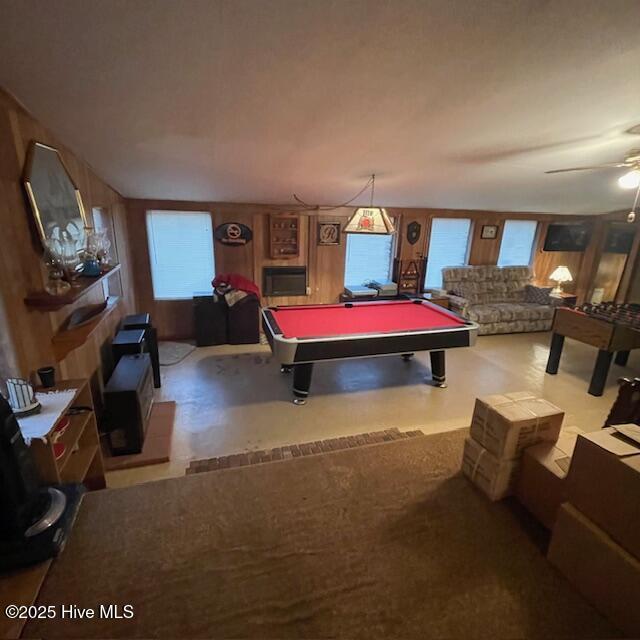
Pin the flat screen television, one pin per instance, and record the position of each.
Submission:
(619, 240)
(567, 237)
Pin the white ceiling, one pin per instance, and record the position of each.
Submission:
(452, 103)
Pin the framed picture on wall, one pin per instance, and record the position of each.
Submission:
(328, 233)
(489, 232)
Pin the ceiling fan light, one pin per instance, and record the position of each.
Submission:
(630, 180)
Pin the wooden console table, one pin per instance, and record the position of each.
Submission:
(82, 459)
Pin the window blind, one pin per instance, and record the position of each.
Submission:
(180, 252)
(369, 257)
(516, 247)
(448, 247)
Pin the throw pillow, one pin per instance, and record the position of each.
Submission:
(537, 295)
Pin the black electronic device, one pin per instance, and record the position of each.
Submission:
(143, 321)
(34, 520)
(619, 239)
(128, 399)
(128, 342)
(567, 237)
(210, 319)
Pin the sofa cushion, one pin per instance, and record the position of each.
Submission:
(508, 312)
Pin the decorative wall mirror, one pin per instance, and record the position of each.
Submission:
(54, 197)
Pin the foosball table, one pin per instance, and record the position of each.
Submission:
(611, 328)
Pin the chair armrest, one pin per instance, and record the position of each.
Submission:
(457, 304)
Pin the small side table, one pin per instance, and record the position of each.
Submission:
(565, 299)
(436, 299)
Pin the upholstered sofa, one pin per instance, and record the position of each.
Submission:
(499, 299)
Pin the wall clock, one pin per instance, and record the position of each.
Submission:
(489, 232)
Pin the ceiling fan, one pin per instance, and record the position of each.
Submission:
(629, 180)
(631, 161)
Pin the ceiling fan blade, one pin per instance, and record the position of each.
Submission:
(608, 165)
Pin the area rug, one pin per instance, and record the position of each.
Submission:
(157, 442)
(170, 353)
(380, 541)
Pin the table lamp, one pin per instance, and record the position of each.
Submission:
(560, 274)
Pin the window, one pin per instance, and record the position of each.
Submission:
(369, 257)
(111, 286)
(102, 221)
(180, 252)
(448, 247)
(516, 247)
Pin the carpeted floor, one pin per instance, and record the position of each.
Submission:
(386, 540)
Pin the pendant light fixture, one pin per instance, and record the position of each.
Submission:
(370, 220)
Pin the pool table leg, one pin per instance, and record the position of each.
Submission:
(437, 369)
(301, 382)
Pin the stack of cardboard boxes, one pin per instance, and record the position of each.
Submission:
(585, 487)
(502, 427)
(596, 538)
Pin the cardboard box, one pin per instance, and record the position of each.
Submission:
(601, 570)
(507, 424)
(495, 477)
(542, 485)
(604, 483)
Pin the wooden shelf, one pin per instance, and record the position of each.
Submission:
(71, 436)
(66, 340)
(43, 301)
(78, 464)
(284, 236)
(85, 463)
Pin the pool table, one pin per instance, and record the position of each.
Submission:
(302, 335)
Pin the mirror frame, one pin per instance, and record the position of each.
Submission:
(32, 194)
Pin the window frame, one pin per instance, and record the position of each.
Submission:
(148, 214)
(392, 253)
(534, 240)
(467, 251)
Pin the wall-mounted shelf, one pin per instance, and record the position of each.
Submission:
(43, 301)
(408, 275)
(284, 236)
(66, 340)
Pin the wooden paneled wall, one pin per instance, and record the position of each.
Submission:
(174, 318)
(25, 342)
(325, 263)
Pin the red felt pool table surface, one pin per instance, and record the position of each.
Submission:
(312, 321)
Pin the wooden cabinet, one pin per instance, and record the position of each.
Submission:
(284, 236)
(81, 461)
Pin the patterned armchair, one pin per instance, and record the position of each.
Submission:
(499, 299)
